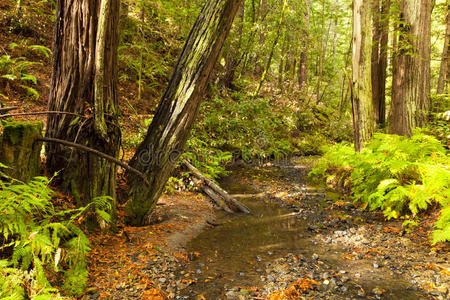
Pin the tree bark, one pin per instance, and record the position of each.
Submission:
(84, 81)
(169, 130)
(411, 75)
(379, 59)
(362, 84)
(443, 72)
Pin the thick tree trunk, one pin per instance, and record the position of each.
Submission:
(84, 81)
(169, 131)
(379, 59)
(362, 84)
(443, 72)
(411, 75)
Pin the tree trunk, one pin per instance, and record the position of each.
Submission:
(362, 84)
(302, 76)
(272, 50)
(443, 72)
(84, 81)
(411, 75)
(169, 130)
(379, 59)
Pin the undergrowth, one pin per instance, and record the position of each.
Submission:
(40, 243)
(397, 175)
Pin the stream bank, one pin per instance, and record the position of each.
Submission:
(301, 242)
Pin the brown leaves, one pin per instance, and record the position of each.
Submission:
(294, 290)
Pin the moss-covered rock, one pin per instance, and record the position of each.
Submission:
(20, 150)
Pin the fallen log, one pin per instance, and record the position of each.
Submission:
(228, 199)
(212, 195)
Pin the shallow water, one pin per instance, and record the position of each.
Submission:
(235, 253)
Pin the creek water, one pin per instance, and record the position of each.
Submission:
(237, 252)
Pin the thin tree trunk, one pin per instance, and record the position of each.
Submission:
(362, 85)
(169, 130)
(379, 59)
(282, 64)
(411, 75)
(302, 76)
(443, 79)
(272, 50)
(84, 81)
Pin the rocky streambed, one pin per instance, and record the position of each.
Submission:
(301, 242)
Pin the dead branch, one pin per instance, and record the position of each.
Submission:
(98, 153)
(241, 207)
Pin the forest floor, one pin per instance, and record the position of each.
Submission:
(344, 252)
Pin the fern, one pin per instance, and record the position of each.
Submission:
(43, 237)
(397, 175)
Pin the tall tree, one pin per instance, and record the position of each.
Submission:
(84, 81)
(411, 73)
(445, 61)
(169, 130)
(379, 59)
(361, 64)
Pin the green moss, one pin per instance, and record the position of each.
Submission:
(17, 130)
(19, 149)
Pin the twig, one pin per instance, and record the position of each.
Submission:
(98, 153)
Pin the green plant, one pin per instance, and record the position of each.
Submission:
(397, 175)
(16, 69)
(38, 239)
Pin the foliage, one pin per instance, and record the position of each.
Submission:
(39, 239)
(151, 41)
(397, 175)
(250, 127)
(440, 117)
(17, 69)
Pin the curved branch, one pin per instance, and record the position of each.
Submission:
(98, 153)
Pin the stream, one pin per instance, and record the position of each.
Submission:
(276, 245)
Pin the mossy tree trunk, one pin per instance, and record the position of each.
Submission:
(19, 149)
(362, 85)
(84, 81)
(411, 74)
(169, 130)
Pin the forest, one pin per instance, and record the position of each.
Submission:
(224, 149)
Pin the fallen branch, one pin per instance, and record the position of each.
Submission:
(212, 195)
(41, 113)
(247, 196)
(98, 153)
(241, 207)
(6, 109)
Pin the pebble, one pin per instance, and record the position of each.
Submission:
(378, 291)
(315, 256)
